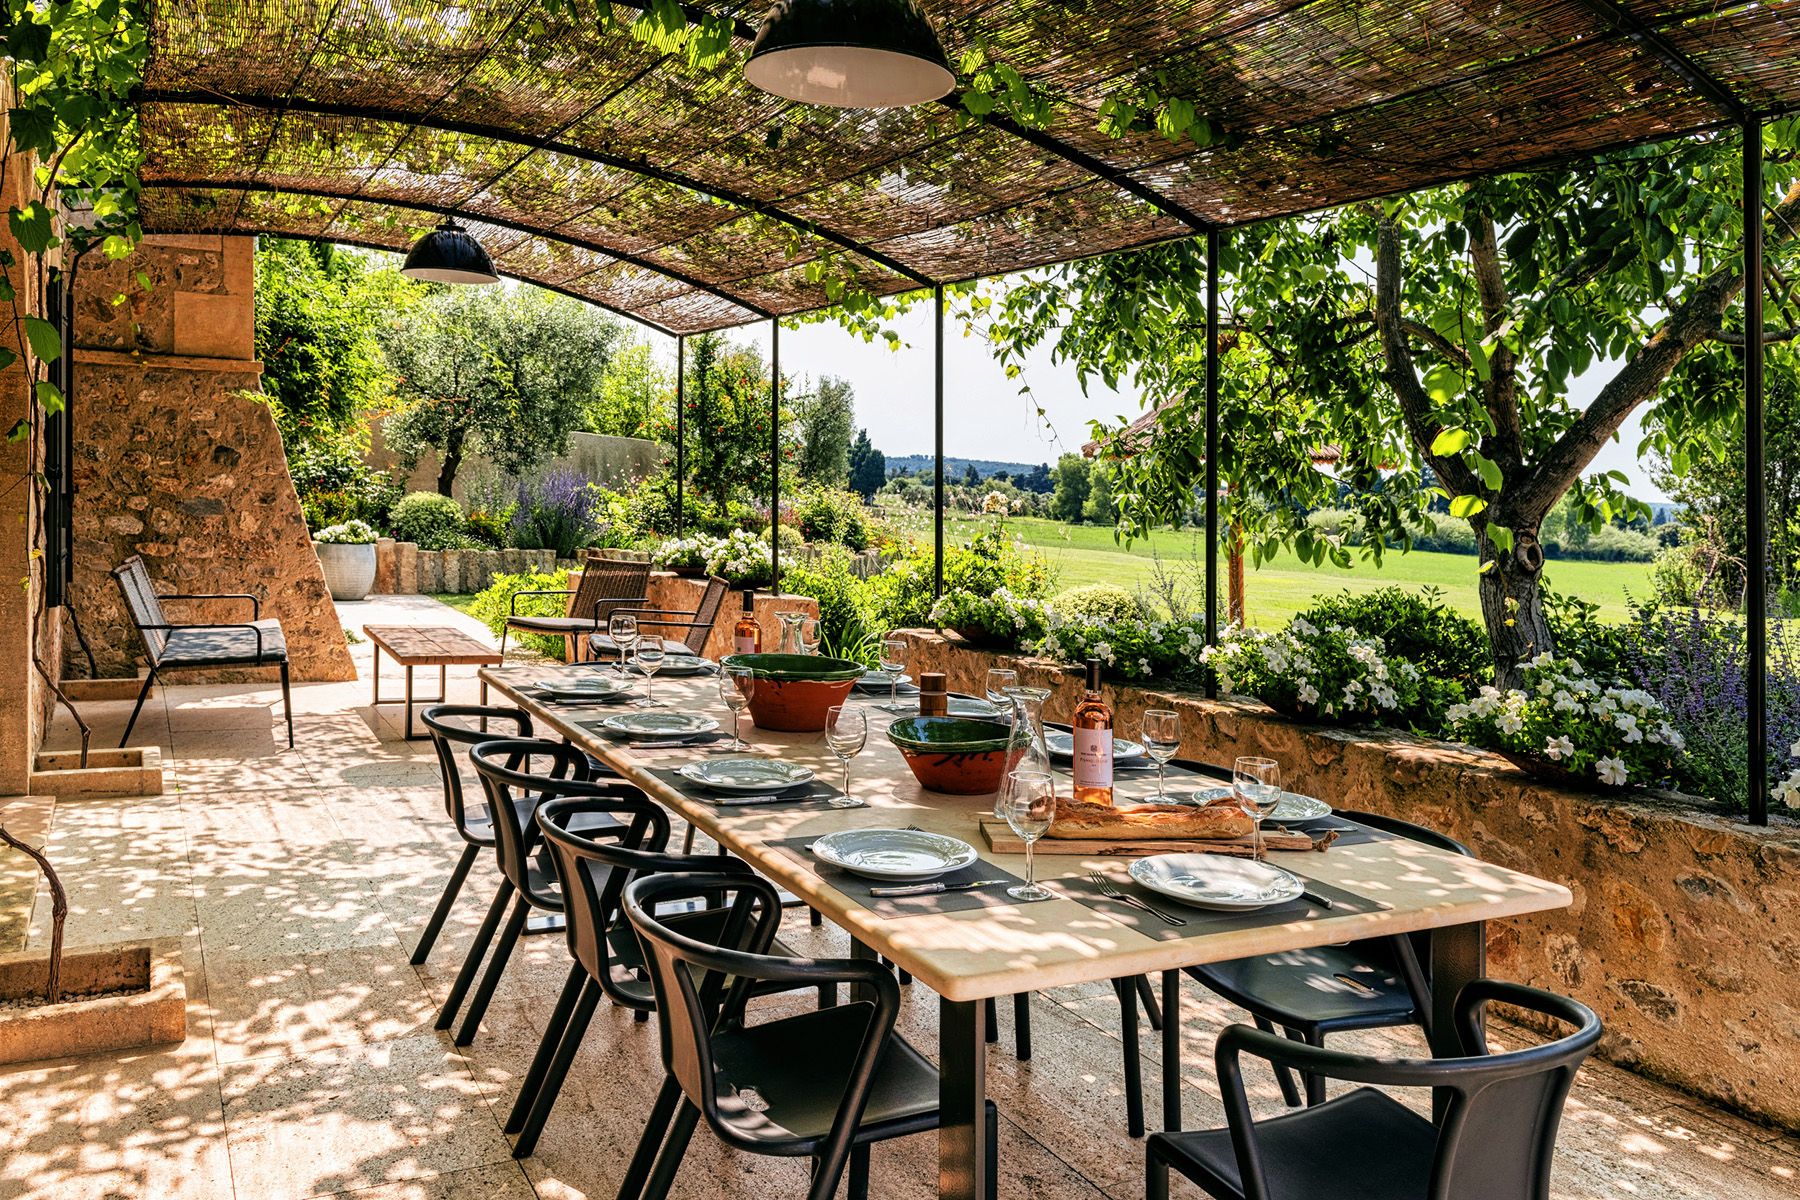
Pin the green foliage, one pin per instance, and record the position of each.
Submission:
(493, 604)
(490, 529)
(822, 422)
(902, 595)
(335, 485)
(1317, 672)
(1074, 480)
(727, 420)
(1098, 508)
(830, 515)
(1135, 647)
(1000, 620)
(847, 628)
(1598, 646)
(1097, 602)
(636, 396)
(868, 466)
(1416, 626)
(431, 521)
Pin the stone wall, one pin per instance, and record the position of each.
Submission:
(616, 462)
(175, 462)
(401, 568)
(1684, 934)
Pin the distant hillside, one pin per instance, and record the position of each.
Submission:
(908, 463)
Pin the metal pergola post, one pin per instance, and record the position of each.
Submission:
(937, 560)
(1756, 527)
(680, 432)
(1212, 448)
(775, 455)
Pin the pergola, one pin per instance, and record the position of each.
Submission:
(593, 163)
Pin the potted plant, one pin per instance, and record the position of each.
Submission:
(1567, 728)
(347, 556)
(742, 560)
(1316, 673)
(1001, 621)
(684, 556)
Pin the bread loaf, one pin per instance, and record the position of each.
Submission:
(1164, 822)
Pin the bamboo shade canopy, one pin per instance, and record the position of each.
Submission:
(587, 161)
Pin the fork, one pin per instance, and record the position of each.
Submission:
(1111, 892)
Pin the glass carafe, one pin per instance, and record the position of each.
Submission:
(1025, 747)
(791, 641)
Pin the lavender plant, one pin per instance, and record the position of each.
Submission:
(558, 511)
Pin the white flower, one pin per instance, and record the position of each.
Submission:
(1794, 750)
(1559, 747)
(1628, 725)
(1788, 790)
(1611, 771)
(1511, 723)
(1306, 693)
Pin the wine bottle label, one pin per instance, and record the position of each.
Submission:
(1093, 758)
(743, 644)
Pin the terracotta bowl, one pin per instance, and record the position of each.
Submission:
(794, 691)
(963, 756)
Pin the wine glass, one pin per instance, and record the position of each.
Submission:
(1257, 782)
(737, 685)
(650, 655)
(623, 629)
(846, 732)
(893, 661)
(1000, 682)
(1030, 806)
(1162, 738)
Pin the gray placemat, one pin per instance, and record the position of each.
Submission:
(1202, 921)
(699, 739)
(817, 794)
(857, 888)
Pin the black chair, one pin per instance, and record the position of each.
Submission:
(826, 1084)
(695, 624)
(473, 825)
(513, 793)
(171, 646)
(1370, 984)
(1494, 1140)
(592, 869)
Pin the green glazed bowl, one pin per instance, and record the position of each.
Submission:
(795, 666)
(948, 735)
(963, 756)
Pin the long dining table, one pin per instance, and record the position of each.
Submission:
(999, 947)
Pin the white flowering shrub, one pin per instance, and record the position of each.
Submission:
(1569, 722)
(1787, 791)
(742, 559)
(1002, 620)
(689, 552)
(350, 533)
(1319, 672)
(1128, 647)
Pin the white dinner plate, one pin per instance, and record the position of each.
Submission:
(583, 687)
(658, 724)
(1061, 744)
(894, 853)
(746, 776)
(1292, 809)
(1217, 881)
(880, 681)
(676, 665)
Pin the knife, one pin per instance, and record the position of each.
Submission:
(929, 889)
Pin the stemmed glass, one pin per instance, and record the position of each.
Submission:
(893, 661)
(846, 732)
(623, 629)
(1000, 682)
(736, 687)
(650, 655)
(1162, 738)
(1257, 782)
(1030, 807)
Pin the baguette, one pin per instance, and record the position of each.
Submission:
(1219, 820)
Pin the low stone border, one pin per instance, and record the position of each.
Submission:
(150, 1007)
(1685, 931)
(401, 568)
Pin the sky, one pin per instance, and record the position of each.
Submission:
(985, 417)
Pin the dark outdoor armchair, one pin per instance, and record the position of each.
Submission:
(695, 624)
(171, 646)
(607, 584)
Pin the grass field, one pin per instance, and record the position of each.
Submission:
(1081, 554)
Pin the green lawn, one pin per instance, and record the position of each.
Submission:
(461, 602)
(1082, 554)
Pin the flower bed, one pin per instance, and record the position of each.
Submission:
(1682, 931)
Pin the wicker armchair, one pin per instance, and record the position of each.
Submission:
(607, 584)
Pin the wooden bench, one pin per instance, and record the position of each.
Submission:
(425, 646)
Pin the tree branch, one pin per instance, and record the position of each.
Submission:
(1508, 443)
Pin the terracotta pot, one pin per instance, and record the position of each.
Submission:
(794, 691)
(688, 572)
(961, 756)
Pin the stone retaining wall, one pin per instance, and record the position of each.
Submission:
(401, 568)
(1684, 934)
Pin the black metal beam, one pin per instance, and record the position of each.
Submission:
(445, 210)
(680, 432)
(937, 487)
(1756, 525)
(499, 133)
(1659, 47)
(775, 455)
(1212, 449)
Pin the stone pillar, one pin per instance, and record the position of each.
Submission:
(177, 458)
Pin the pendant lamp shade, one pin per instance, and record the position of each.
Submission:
(849, 54)
(449, 254)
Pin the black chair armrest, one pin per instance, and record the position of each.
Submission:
(659, 612)
(257, 630)
(513, 609)
(255, 604)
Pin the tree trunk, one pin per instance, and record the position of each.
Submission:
(451, 462)
(1512, 605)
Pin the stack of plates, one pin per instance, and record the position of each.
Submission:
(1217, 882)
(905, 854)
(1061, 744)
(746, 776)
(584, 686)
(1292, 809)
(658, 726)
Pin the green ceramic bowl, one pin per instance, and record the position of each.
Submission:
(964, 756)
(795, 666)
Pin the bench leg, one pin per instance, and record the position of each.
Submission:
(287, 703)
(143, 694)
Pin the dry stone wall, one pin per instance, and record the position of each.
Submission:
(1684, 934)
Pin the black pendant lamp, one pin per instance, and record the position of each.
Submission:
(449, 254)
(849, 54)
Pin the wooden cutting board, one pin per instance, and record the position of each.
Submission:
(1002, 840)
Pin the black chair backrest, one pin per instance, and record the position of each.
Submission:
(1498, 1130)
(706, 615)
(142, 604)
(510, 783)
(448, 733)
(593, 867)
(1408, 830)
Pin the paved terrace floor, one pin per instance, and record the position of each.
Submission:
(298, 881)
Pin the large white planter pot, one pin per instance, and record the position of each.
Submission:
(349, 570)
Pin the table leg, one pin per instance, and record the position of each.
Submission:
(962, 1099)
(1458, 957)
(409, 701)
(1171, 1041)
(484, 705)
